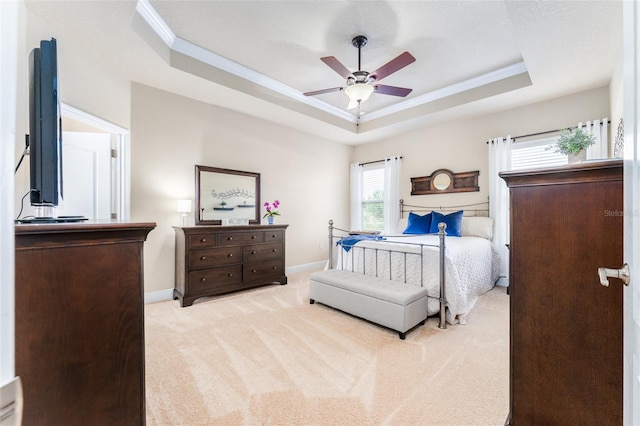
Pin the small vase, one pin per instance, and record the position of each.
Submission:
(270, 220)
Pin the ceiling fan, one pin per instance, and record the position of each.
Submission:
(361, 84)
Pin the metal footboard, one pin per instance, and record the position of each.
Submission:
(335, 234)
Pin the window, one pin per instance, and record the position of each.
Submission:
(535, 154)
(373, 197)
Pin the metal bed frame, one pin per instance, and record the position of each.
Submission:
(333, 239)
(475, 209)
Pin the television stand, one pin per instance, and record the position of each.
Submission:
(59, 219)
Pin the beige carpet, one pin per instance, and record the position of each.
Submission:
(268, 357)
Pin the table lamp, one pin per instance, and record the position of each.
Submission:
(184, 207)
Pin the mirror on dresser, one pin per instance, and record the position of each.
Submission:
(229, 197)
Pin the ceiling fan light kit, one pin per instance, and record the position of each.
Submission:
(361, 84)
(359, 92)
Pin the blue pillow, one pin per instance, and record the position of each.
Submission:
(417, 224)
(452, 220)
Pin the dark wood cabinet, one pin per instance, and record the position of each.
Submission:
(213, 260)
(565, 327)
(80, 323)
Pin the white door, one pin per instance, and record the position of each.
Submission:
(86, 175)
(631, 407)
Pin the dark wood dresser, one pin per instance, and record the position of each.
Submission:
(80, 323)
(566, 328)
(213, 260)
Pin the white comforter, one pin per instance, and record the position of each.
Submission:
(471, 267)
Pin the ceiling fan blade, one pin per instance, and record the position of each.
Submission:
(337, 66)
(319, 92)
(393, 65)
(392, 90)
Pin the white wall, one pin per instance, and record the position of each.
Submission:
(461, 145)
(10, 15)
(170, 134)
(85, 83)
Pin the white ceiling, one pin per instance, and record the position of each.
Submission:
(258, 57)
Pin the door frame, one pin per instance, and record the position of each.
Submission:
(631, 309)
(120, 164)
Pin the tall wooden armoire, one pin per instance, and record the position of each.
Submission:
(566, 328)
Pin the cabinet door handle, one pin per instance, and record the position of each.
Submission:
(622, 273)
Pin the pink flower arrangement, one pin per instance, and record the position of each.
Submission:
(271, 208)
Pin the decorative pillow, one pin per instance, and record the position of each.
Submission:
(477, 226)
(418, 224)
(452, 220)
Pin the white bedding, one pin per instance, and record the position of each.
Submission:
(471, 267)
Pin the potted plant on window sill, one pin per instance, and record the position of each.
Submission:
(573, 143)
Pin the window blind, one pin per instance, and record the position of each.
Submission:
(536, 154)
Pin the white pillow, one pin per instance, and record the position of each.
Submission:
(402, 225)
(477, 226)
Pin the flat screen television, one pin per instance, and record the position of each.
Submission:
(45, 128)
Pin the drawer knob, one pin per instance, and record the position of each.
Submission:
(204, 240)
(253, 252)
(203, 279)
(230, 238)
(203, 258)
(254, 271)
(273, 236)
(230, 275)
(274, 268)
(253, 237)
(275, 250)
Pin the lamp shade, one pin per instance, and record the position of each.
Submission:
(184, 206)
(359, 91)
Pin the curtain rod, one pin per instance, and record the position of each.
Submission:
(546, 132)
(376, 161)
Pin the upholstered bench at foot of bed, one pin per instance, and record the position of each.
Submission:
(392, 304)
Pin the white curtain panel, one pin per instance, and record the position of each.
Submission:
(499, 161)
(356, 197)
(600, 129)
(392, 171)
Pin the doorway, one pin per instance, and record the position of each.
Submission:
(96, 167)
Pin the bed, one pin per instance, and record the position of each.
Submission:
(454, 269)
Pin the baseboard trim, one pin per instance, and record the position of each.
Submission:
(158, 296)
(502, 282)
(305, 267)
(164, 295)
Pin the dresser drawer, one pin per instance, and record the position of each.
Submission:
(260, 252)
(208, 279)
(200, 259)
(240, 238)
(273, 236)
(263, 271)
(200, 241)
